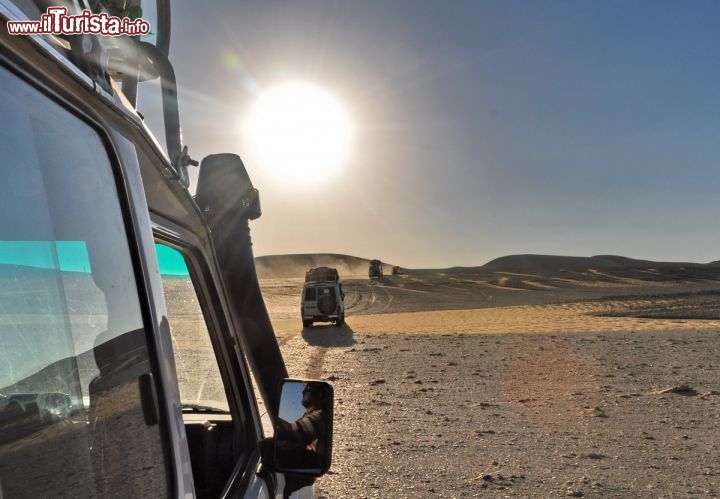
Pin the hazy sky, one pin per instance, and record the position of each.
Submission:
(482, 128)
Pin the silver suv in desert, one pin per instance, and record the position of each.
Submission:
(322, 298)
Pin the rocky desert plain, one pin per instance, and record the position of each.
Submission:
(531, 376)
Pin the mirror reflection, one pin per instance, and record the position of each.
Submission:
(303, 433)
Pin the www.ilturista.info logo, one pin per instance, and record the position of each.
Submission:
(57, 22)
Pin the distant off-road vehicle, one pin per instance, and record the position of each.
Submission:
(376, 269)
(322, 297)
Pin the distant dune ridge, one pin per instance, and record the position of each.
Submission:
(289, 266)
(539, 263)
(550, 264)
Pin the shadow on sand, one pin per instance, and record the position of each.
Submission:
(329, 336)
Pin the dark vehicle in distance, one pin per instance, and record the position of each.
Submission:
(376, 269)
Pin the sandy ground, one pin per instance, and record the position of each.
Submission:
(463, 386)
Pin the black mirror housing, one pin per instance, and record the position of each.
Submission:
(225, 191)
(304, 428)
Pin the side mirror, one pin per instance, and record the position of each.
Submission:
(304, 428)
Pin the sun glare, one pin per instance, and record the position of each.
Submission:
(300, 132)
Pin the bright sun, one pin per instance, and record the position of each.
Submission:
(300, 132)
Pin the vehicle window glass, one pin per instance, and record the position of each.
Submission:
(73, 341)
(310, 294)
(198, 374)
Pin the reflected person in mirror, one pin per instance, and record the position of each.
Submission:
(305, 437)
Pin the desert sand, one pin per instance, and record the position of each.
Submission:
(529, 377)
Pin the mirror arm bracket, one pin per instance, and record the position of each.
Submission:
(178, 154)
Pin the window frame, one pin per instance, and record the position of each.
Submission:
(231, 362)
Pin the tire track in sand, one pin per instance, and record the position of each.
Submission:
(314, 367)
(318, 341)
(372, 298)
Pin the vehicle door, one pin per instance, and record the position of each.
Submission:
(310, 300)
(78, 412)
(219, 409)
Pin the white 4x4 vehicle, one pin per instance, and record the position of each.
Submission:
(322, 298)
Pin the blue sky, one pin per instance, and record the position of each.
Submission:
(483, 128)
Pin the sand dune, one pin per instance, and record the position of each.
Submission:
(650, 289)
(514, 271)
(545, 263)
(290, 266)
